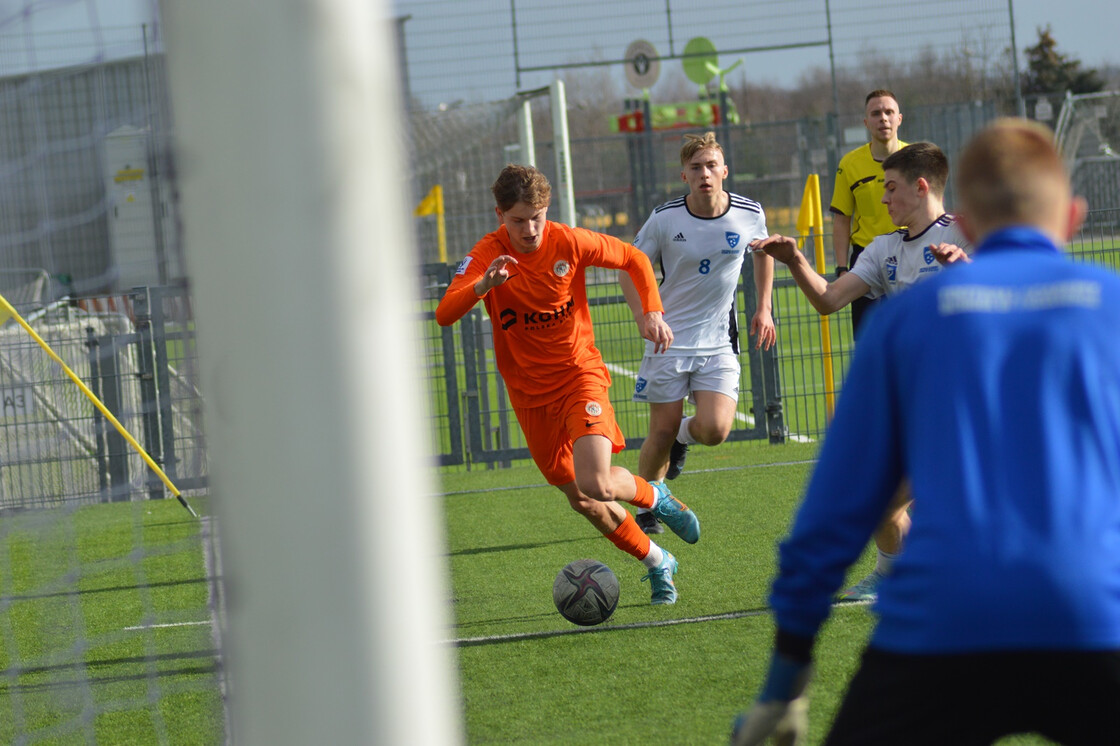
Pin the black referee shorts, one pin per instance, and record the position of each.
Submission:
(861, 305)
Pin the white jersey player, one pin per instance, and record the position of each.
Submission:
(914, 179)
(897, 260)
(700, 259)
(698, 242)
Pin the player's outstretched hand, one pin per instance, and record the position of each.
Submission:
(785, 723)
(782, 709)
(782, 248)
(947, 253)
(654, 328)
(495, 274)
(762, 329)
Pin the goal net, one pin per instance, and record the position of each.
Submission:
(107, 630)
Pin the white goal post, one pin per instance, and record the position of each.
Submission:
(292, 178)
(562, 146)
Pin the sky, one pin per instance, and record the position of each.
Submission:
(466, 50)
(46, 34)
(1084, 29)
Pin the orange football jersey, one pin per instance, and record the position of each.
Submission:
(540, 318)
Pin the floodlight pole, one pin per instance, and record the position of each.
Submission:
(1020, 103)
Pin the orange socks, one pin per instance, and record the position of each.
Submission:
(643, 495)
(630, 538)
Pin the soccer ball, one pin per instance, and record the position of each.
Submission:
(585, 592)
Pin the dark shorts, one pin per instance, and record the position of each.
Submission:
(1071, 697)
(860, 306)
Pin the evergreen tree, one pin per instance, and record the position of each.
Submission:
(1050, 71)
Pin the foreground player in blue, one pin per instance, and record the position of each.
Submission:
(995, 389)
(914, 181)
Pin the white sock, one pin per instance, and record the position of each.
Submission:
(884, 561)
(649, 510)
(655, 557)
(683, 434)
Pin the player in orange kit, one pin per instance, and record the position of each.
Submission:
(530, 275)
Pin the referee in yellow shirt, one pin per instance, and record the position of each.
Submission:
(858, 212)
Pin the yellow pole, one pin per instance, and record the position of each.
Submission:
(11, 311)
(441, 229)
(826, 335)
(811, 217)
(432, 204)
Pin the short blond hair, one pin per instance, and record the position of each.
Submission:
(521, 184)
(1011, 173)
(693, 144)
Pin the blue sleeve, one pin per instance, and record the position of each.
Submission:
(858, 472)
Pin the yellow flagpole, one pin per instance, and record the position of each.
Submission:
(441, 229)
(432, 204)
(811, 218)
(11, 311)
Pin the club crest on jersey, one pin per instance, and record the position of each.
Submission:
(732, 239)
(593, 408)
(927, 254)
(561, 268)
(640, 386)
(463, 265)
(892, 268)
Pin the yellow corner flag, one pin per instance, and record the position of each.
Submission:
(432, 204)
(810, 215)
(810, 223)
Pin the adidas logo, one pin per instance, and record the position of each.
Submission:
(679, 237)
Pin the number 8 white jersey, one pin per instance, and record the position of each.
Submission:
(700, 260)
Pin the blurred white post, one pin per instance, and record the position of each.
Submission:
(525, 133)
(562, 148)
(294, 184)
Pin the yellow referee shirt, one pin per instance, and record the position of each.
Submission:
(858, 193)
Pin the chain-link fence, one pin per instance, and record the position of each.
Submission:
(784, 395)
(135, 353)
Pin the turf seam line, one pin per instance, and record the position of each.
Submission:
(544, 634)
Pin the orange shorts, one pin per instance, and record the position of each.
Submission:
(550, 429)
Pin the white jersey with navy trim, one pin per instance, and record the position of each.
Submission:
(895, 261)
(700, 260)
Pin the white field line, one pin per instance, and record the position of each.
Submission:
(170, 624)
(739, 416)
(463, 641)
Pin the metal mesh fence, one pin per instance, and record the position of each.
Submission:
(82, 190)
(489, 435)
(489, 49)
(56, 447)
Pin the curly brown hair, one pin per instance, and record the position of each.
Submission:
(521, 184)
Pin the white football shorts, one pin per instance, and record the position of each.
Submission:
(667, 378)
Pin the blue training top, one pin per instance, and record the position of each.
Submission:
(995, 388)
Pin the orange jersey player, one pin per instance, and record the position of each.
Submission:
(530, 274)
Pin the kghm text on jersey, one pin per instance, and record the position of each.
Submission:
(533, 319)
